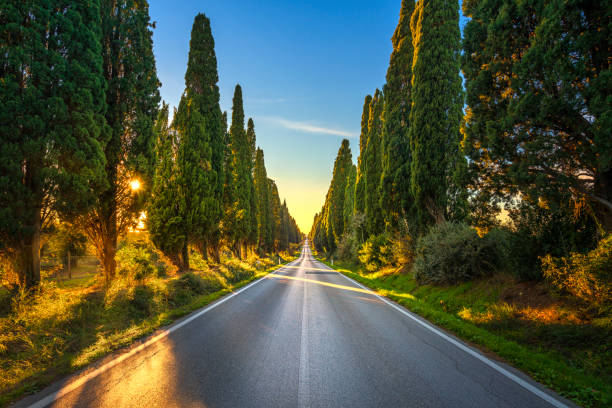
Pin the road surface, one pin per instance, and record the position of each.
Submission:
(304, 336)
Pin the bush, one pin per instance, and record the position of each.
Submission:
(347, 247)
(451, 253)
(539, 231)
(586, 276)
(136, 260)
(376, 252)
(190, 285)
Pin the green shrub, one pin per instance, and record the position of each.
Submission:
(452, 253)
(586, 276)
(376, 252)
(136, 260)
(539, 231)
(190, 285)
(141, 301)
(347, 247)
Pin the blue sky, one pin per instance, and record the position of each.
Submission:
(304, 67)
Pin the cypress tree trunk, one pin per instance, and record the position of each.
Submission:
(184, 263)
(28, 255)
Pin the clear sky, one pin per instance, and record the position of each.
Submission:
(304, 67)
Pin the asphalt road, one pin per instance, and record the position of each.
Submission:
(304, 336)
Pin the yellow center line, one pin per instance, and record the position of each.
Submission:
(331, 285)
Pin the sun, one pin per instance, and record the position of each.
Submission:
(135, 185)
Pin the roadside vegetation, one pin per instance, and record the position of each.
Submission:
(484, 207)
(64, 325)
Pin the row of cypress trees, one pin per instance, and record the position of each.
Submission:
(80, 121)
(410, 160)
(79, 95)
(210, 186)
(530, 133)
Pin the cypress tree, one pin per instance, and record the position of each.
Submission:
(132, 99)
(275, 213)
(264, 223)
(253, 233)
(373, 167)
(437, 101)
(538, 121)
(349, 197)
(239, 218)
(395, 185)
(164, 220)
(199, 127)
(52, 128)
(336, 194)
(363, 140)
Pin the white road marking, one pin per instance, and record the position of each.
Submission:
(304, 372)
(164, 333)
(529, 387)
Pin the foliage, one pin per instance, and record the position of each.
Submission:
(328, 230)
(265, 227)
(239, 215)
(136, 260)
(52, 128)
(373, 166)
(586, 276)
(199, 157)
(538, 120)
(376, 252)
(435, 114)
(361, 160)
(132, 98)
(164, 219)
(452, 253)
(395, 180)
(538, 231)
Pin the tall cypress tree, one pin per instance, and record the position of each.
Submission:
(164, 219)
(437, 101)
(373, 167)
(252, 237)
(239, 218)
(337, 191)
(262, 199)
(395, 185)
(51, 126)
(363, 140)
(275, 213)
(199, 126)
(349, 197)
(132, 99)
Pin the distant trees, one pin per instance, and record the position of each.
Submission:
(52, 128)
(411, 169)
(211, 186)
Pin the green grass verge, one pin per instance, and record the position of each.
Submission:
(577, 371)
(71, 324)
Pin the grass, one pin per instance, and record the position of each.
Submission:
(555, 340)
(69, 324)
